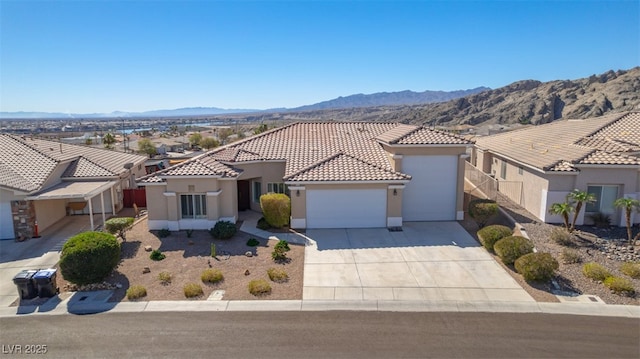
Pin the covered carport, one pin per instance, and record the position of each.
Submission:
(72, 192)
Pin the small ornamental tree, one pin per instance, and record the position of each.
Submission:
(209, 143)
(147, 147)
(276, 208)
(481, 210)
(579, 198)
(89, 257)
(562, 209)
(629, 205)
(118, 226)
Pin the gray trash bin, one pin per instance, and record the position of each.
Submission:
(45, 282)
(24, 282)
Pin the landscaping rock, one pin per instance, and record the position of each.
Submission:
(248, 254)
(148, 248)
(146, 270)
(247, 272)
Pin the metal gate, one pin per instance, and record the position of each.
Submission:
(137, 196)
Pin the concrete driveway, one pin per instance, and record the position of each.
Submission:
(425, 261)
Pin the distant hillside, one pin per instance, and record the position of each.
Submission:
(526, 101)
(390, 99)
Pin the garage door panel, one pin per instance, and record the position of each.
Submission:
(431, 194)
(358, 208)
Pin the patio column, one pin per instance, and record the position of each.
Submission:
(102, 204)
(113, 202)
(90, 213)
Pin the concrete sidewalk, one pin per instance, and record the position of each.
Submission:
(97, 303)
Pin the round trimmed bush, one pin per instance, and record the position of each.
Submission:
(595, 271)
(489, 235)
(89, 257)
(277, 275)
(223, 230)
(259, 287)
(136, 292)
(536, 267)
(192, 290)
(481, 210)
(511, 248)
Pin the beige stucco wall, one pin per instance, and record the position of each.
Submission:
(156, 203)
(263, 172)
(49, 212)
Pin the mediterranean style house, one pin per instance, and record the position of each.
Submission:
(599, 155)
(337, 174)
(43, 181)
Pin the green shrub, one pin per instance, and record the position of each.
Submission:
(259, 287)
(619, 285)
(164, 278)
(489, 235)
(189, 233)
(118, 225)
(284, 245)
(562, 237)
(279, 254)
(192, 290)
(136, 291)
(89, 257)
(600, 220)
(252, 242)
(632, 269)
(481, 210)
(164, 233)
(276, 208)
(571, 256)
(156, 255)
(211, 276)
(595, 271)
(277, 275)
(511, 248)
(537, 267)
(263, 224)
(223, 230)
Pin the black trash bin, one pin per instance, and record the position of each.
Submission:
(24, 282)
(45, 282)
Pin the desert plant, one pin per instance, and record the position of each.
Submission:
(164, 232)
(192, 290)
(511, 248)
(571, 256)
(629, 205)
(252, 242)
(632, 269)
(579, 198)
(562, 237)
(189, 233)
(263, 224)
(277, 275)
(600, 220)
(136, 291)
(223, 230)
(619, 285)
(536, 267)
(562, 209)
(489, 235)
(157, 255)
(276, 208)
(164, 277)
(118, 226)
(284, 245)
(213, 250)
(89, 257)
(259, 287)
(595, 271)
(481, 210)
(279, 254)
(212, 276)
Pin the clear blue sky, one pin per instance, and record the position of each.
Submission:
(103, 56)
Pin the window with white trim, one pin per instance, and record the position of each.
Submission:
(193, 206)
(277, 188)
(605, 196)
(503, 169)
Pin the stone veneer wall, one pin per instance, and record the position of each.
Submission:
(24, 218)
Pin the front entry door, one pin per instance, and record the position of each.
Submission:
(244, 194)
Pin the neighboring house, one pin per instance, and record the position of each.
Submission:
(598, 155)
(164, 145)
(338, 175)
(43, 181)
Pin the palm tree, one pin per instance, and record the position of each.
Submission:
(629, 205)
(580, 198)
(562, 209)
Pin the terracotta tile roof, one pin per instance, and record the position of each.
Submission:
(26, 164)
(203, 165)
(305, 145)
(343, 167)
(557, 146)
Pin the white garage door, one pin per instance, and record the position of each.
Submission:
(6, 221)
(431, 194)
(361, 208)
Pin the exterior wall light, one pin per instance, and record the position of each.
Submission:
(395, 192)
(298, 193)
